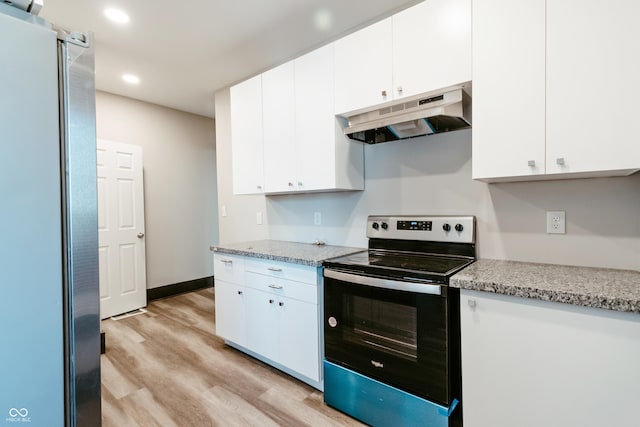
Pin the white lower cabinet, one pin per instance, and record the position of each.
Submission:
(231, 321)
(532, 363)
(274, 314)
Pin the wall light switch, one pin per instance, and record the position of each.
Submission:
(223, 210)
(317, 218)
(259, 218)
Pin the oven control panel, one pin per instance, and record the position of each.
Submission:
(414, 225)
(459, 229)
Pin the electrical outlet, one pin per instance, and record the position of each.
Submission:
(223, 210)
(555, 222)
(317, 218)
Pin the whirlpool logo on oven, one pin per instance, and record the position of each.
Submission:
(18, 415)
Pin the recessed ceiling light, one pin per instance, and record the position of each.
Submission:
(323, 19)
(116, 15)
(131, 79)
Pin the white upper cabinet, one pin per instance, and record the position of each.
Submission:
(363, 67)
(593, 62)
(431, 47)
(551, 91)
(508, 88)
(314, 126)
(278, 116)
(424, 48)
(246, 137)
(304, 146)
(326, 158)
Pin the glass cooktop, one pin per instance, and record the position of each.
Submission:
(400, 264)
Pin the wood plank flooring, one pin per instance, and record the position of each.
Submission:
(167, 368)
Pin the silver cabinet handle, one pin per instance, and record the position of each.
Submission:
(226, 261)
(275, 287)
(140, 235)
(531, 163)
(274, 269)
(560, 161)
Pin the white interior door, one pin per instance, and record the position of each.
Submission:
(121, 228)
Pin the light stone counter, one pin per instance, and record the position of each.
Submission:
(590, 287)
(277, 250)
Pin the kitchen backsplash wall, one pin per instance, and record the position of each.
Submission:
(432, 175)
(179, 183)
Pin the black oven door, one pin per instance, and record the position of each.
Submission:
(398, 337)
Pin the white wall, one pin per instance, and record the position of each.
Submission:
(180, 187)
(432, 175)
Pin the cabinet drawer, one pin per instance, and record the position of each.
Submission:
(283, 270)
(282, 287)
(228, 268)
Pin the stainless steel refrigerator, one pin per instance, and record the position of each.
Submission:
(49, 284)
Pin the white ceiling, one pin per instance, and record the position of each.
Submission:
(184, 51)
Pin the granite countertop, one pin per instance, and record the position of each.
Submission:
(277, 250)
(609, 289)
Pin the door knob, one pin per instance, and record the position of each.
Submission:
(140, 235)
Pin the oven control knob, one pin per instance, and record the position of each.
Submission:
(459, 227)
(375, 225)
(384, 225)
(446, 227)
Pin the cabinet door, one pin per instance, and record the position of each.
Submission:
(299, 340)
(431, 46)
(532, 363)
(315, 122)
(278, 116)
(246, 136)
(593, 62)
(508, 88)
(262, 321)
(363, 72)
(230, 312)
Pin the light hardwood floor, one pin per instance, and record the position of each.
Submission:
(167, 368)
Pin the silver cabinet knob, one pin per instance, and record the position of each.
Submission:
(140, 235)
(383, 93)
(280, 303)
(299, 183)
(399, 89)
(531, 163)
(259, 187)
(239, 292)
(472, 303)
(290, 184)
(560, 161)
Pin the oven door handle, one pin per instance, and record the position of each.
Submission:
(376, 282)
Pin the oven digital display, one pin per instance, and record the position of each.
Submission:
(414, 225)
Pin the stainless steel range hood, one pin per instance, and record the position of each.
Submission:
(434, 113)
